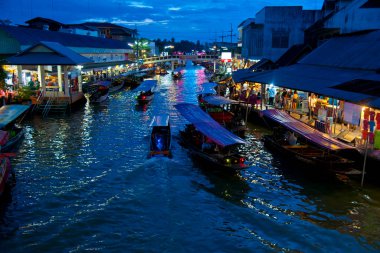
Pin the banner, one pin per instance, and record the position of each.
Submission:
(352, 113)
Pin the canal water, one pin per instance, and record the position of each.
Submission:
(83, 184)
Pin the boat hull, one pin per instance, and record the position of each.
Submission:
(145, 101)
(116, 88)
(5, 173)
(312, 157)
(13, 142)
(99, 99)
(210, 161)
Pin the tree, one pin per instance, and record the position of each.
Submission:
(141, 47)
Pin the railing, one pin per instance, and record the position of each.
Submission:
(47, 107)
(180, 57)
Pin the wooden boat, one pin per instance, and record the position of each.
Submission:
(116, 85)
(132, 81)
(177, 74)
(312, 147)
(160, 71)
(160, 139)
(146, 91)
(210, 143)
(113, 85)
(225, 111)
(11, 133)
(5, 171)
(163, 71)
(99, 93)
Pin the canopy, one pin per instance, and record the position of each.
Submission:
(321, 139)
(146, 85)
(8, 113)
(219, 100)
(208, 126)
(160, 120)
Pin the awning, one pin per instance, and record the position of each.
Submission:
(240, 75)
(160, 120)
(208, 126)
(146, 85)
(219, 100)
(318, 79)
(8, 113)
(318, 138)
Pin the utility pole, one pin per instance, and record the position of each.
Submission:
(223, 36)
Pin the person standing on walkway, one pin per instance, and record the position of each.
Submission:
(272, 94)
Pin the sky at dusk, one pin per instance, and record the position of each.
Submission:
(204, 20)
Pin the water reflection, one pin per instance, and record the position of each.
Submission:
(85, 178)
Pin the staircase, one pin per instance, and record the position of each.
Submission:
(52, 105)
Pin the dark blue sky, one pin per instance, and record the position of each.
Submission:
(193, 20)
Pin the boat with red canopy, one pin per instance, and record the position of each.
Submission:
(146, 91)
(209, 142)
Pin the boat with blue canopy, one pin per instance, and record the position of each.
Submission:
(11, 133)
(146, 91)
(209, 142)
(297, 141)
(160, 139)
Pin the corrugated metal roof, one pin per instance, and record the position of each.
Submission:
(28, 36)
(353, 51)
(56, 54)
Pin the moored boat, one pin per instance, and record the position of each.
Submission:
(5, 171)
(160, 139)
(11, 133)
(99, 93)
(146, 91)
(209, 142)
(294, 139)
(225, 111)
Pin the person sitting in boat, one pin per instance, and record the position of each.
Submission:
(292, 139)
(207, 145)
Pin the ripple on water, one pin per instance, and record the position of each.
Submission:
(84, 184)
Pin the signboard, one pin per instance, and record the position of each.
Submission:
(352, 113)
(226, 56)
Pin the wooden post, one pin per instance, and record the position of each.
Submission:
(19, 76)
(66, 81)
(365, 160)
(41, 77)
(59, 70)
